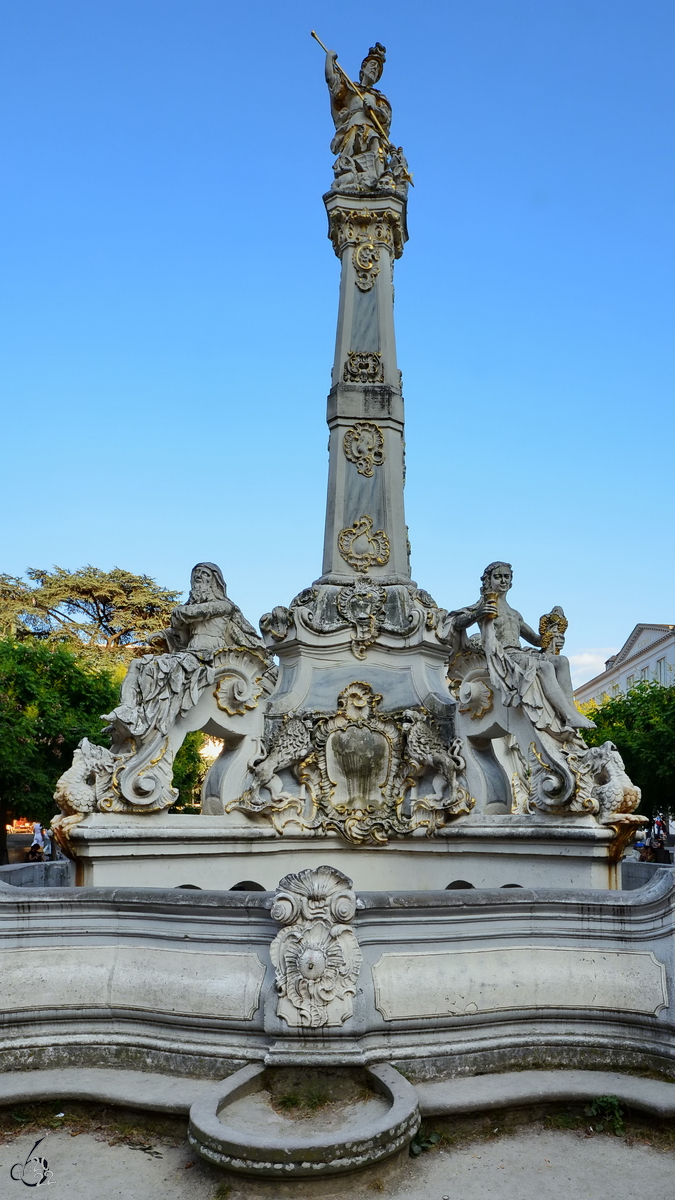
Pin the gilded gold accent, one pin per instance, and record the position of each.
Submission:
(363, 367)
(375, 762)
(624, 832)
(354, 227)
(362, 604)
(363, 445)
(553, 624)
(365, 258)
(475, 696)
(362, 559)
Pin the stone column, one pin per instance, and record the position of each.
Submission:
(365, 521)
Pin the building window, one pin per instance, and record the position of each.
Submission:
(630, 682)
(661, 670)
(615, 689)
(644, 673)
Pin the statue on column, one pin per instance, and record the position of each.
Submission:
(366, 159)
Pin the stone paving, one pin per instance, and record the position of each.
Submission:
(531, 1164)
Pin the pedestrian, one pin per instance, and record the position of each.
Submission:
(36, 852)
(661, 854)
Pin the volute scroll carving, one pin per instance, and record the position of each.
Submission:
(364, 367)
(366, 228)
(316, 957)
(363, 444)
(362, 547)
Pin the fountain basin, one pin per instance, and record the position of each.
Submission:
(255, 1123)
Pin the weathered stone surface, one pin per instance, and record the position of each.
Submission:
(212, 675)
(150, 978)
(224, 1129)
(459, 982)
(131, 976)
(316, 955)
(366, 162)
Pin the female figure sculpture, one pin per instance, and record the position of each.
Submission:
(538, 679)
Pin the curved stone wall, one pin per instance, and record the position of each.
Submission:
(450, 983)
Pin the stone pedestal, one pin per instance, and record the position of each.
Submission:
(212, 853)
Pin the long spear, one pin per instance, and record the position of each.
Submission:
(350, 82)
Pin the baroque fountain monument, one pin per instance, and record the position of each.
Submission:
(413, 744)
(404, 879)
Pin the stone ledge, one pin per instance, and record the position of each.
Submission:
(132, 1089)
(175, 1095)
(59, 873)
(483, 1093)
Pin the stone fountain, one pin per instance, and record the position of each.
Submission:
(388, 738)
(468, 923)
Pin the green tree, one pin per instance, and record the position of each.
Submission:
(641, 724)
(103, 616)
(49, 700)
(14, 600)
(189, 772)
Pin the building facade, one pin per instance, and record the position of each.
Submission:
(648, 655)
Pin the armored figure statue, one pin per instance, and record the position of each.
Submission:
(366, 159)
(538, 679)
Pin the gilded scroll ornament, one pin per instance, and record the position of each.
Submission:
(362, 547)
(475, 695)
(241, 684)
(363, 445)
(361, 227)
(365, 258)
(364, 774)
(364, 367)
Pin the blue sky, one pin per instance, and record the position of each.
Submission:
(168, 294)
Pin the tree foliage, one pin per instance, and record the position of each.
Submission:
(641, 723)
(99, 615)
(189, 772)
(49, 700)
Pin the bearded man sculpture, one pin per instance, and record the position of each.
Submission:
(209, 641)
(160, 688)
